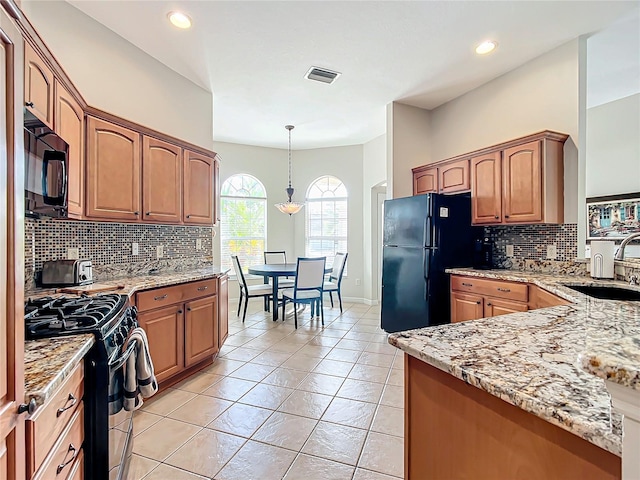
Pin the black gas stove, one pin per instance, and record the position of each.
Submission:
(110, 318)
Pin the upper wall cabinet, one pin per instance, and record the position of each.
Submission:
(198, 188)
(449, 177)
(425, 180)
(486, 188)
(38, 86)
(161, 181)
(113, 171)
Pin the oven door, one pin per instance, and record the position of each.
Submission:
(120, 420)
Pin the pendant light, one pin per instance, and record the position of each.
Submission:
(290, 207)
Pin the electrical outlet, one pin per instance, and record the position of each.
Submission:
(73, 253)
(159, 251)
(135, 249)
(198, 244)
(509, 250)
(552, 252)
(357, 281)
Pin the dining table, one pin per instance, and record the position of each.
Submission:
(273, 271)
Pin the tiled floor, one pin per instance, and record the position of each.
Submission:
(279, 403)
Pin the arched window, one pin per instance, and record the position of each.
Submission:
(326, 211)
(243, 225)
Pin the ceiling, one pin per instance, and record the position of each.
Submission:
(253, 56)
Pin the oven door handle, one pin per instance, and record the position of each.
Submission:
(115, 364)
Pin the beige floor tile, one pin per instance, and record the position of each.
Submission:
(302, 362)
(352, 344)
(331, 331)
(143, 420)
(206, 453)
(167, 472)
(236, 340)
(275, 359)
(393, 396)
(240, 419)
(369, 373)
(343, 355)
(162, 439)
(398, 362)
(314, 350)
(266, 396)
(230, 388)
(362, 474)
(243, 354)
(396, 377)
(384, 454)
(361, 390)
(257, 461)
(224, 366)
(167, 402)
(253, 372)
(306, 404)
(284, 346)
(334, 367)
(362, 336)
(319, 383)
(285, 430)
(285, 377)
(389, 420)
(199, 382)
(336, 442)
(380, 347)
(350, 412)
(306, 467)
(376, 359)
(201, 410)
(140, 466)
(322, 341)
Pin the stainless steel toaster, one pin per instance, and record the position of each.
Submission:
(59, 273)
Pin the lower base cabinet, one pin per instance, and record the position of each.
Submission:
(200, 332)
(165, 331)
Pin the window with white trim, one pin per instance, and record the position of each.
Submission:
(243, 225)
(326, 212)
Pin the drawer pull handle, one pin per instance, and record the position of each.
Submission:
(29, 104)
(202, 289)
(161, 297)
(478, 302)
(505, 290)
(467, 284)
(179, 311)
(488, 304)
(71, 399)
(73, 457)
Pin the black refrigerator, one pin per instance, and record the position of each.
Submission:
(423, 235)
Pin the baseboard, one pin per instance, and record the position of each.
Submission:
(370, 302)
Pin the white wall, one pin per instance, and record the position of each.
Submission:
(115, 76)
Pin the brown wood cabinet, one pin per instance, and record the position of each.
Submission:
(454, 177)
(161, 181)
(473, 298)
(541, 298)
(198, 188)
(498, 306)
(486, 188)
(425, 181)
(200, 330)
(38, 86)
(113, 171)
(223, 308)
(165, 332)
(522, 188)
(465, 306)
(69, 125)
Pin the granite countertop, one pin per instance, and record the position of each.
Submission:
(49, 361)
(617, 361)
(530, 359)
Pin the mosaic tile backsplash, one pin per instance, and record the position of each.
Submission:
(109, 246)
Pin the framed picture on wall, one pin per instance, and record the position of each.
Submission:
(613, 218)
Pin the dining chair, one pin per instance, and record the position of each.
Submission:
(335, 277)
(278, 258)
(248, 291)
(307, 286)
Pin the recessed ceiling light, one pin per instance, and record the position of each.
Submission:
(180, 19)
(486, 47)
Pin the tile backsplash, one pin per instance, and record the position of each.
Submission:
(109, 246)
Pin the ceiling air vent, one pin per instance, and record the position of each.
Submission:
(322, 75)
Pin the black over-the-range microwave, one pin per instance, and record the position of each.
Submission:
(46, 172)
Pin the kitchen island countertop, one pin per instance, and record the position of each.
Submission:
(531, 359)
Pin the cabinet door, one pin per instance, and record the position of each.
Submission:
(38, 86)
(12, 441)
(113, 171)
(522, 176)
(486, 192)
(223, 309)
(161, 181)
(69, 125)
(465, 306)
(165, 331)
(201, 330)
(495, 306)
(425, 181)
(454, 177)
(198, 188)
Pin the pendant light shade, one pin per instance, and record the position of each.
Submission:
(289, 207)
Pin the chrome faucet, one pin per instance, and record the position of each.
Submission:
(625, 242)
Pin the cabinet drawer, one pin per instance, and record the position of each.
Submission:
(60, 460)
(44, 427)
(161, 297)
(77, 469)
(493, 288)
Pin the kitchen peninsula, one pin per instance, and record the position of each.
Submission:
(507, 396)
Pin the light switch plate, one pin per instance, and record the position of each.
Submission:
(73, 253)
(552, 252)
(198, 244)
(509, 250)
(159, 251)
(135, 249)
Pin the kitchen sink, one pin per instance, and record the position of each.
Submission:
(607, 293)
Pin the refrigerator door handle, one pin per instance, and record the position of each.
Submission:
(426, 235)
